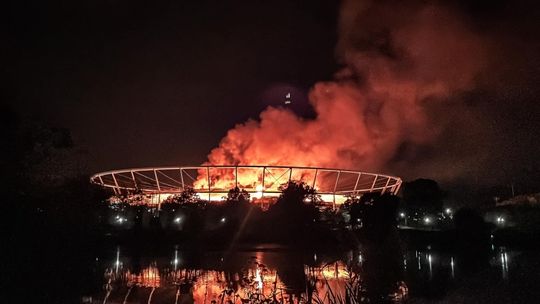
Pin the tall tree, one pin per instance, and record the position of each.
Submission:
(424, 195)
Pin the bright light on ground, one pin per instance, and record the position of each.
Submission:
(120, 219)
(259, 192)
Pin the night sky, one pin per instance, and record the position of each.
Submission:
(142, 83)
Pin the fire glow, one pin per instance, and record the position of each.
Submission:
(376, 114)
(378, 104)
(151, 186)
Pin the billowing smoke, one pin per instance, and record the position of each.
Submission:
(401, 63)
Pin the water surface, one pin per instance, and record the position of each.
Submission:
(273, 274)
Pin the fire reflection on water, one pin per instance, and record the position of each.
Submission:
(255, 282)
(148, 277)
(284, 277)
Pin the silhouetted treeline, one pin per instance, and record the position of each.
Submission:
(298, 216)
(423, 196)
(293, 214)
(45, 179)
(49, 209)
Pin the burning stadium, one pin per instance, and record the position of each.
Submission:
(262, 183)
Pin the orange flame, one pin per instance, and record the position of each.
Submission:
(377, 104)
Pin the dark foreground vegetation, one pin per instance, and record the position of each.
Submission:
(298, 217)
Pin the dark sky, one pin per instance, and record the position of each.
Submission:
(142, 84)
(149, 83)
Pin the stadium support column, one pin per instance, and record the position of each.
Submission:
(236, 177)
(103, 184)
(159, 190)
(290, 174)
(356, 184)
(314, 178)
(182, 179)
(374, 182)
(208, 173)
(117, 189)
(385, 186)
(397, 188)
(335, 188)
(263, 184)
(134, 180)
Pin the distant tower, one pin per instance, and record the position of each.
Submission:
(288, 99)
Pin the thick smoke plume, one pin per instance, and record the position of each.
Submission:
(400, 62)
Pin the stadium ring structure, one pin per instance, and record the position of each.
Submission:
(333, 185)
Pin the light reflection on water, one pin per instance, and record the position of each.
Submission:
(277, 276)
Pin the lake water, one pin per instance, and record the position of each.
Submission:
(270, 274)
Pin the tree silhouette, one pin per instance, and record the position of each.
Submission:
(379, 216)
(137, 197)
(298, 192)
(424, 195)
(237, 195)
(188, 196)
(358, 205)
(295, 209)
